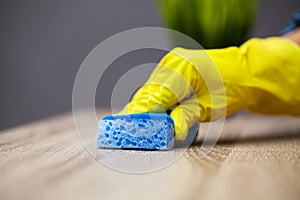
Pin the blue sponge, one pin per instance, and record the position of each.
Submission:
(153, 131)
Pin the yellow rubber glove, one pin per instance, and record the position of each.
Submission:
(262, 76)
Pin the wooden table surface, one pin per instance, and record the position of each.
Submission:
(45, 160)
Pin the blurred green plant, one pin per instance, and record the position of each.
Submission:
(212, 23)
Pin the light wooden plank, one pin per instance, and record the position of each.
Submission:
(45, 160)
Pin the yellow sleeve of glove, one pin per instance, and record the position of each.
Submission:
(265, 71)
(262, 76)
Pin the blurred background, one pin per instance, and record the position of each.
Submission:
(43, 43)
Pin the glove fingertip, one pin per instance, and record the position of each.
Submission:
(181, 134)
(180, 127)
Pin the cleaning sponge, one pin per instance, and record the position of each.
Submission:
(136, 131)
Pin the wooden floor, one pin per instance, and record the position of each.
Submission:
(260, 159)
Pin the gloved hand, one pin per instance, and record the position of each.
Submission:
(262, 76)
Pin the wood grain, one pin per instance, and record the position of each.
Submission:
(45, 160)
